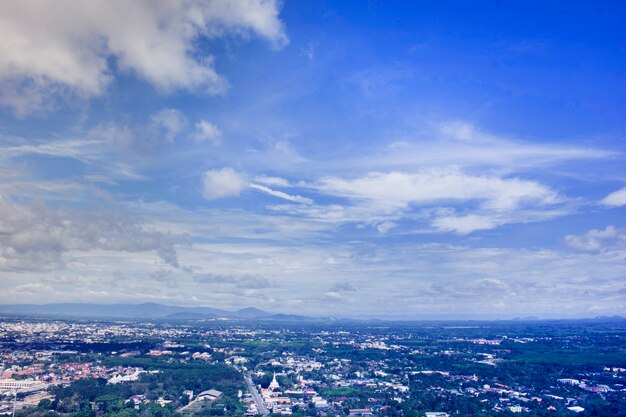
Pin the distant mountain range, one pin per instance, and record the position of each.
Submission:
(155, 311)
(143, 311)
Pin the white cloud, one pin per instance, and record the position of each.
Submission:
(464, 224)
(482, 287)
(447, 200)
(371, 214)
(597, 240)
(273, 181)
(460, 131)
(615, 199)
(229, 224)
(280, 194)
(170, 122)
(334, 297)
(275, 156)
(207, 131)
(118, 136)
(103, 151)
(222, 183)
(38, 237)
(462, 145)
(401, 189)
(384, 227)
(69, 148)
(51, 48)
(246, 281)
(404, 280)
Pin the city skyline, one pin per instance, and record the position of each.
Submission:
(368, 160)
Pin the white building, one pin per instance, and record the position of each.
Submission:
(23, 385)
(274, 384)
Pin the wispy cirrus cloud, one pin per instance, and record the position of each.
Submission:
(615, 199)
(485, 201)
(281, 194)
(109, 151)
(402, 189)
(462, 145)
(466, 179)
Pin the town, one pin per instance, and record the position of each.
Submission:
(236, 368)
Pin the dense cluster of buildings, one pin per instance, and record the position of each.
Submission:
(352, 373)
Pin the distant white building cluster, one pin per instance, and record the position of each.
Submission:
(26, 385)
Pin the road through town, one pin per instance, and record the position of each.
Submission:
(260, 405)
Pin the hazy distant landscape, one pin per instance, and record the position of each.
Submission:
(145, 310)
(165, 312)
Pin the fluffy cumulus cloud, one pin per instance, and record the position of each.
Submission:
(615, 199)
(55, 48)
(38, 237)
(222, 183)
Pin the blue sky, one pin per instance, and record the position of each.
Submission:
(362, 159)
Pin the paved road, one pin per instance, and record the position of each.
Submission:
(260, 405)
